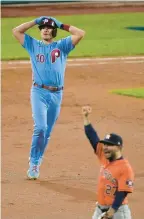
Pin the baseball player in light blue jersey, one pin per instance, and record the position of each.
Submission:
(48, 60)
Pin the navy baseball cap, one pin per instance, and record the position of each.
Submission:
(47, 22)
(112, 139)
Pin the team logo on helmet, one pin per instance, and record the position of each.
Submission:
(51, 22)
(45, 20)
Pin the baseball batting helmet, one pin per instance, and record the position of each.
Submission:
(47, 22)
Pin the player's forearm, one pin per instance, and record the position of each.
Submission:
(86, 120)
(119, 197)
(24, 27)
(73, 30)
(92, 135)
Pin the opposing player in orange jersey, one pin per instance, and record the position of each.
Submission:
(116, 175)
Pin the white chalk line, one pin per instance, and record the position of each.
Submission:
(105, 63)
(89, 62)
(85, 59)
(134, 61)
(75, 64)
(108, 58)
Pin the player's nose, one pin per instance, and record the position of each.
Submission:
(105, 147)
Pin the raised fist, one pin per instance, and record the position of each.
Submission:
(86, 110)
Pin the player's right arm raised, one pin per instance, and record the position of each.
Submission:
(89, 130)
(19, 31)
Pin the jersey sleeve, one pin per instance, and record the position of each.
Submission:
(92, 135)
(100, 154)
(28, 43)
(66, 45)
(126, 181)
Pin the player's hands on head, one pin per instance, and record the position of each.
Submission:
(86, 110)
(39, 19)
(58, 23)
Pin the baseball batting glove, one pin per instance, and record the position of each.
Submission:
(58, 23)
(39, 19)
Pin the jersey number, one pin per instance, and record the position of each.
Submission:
(40, 58)
(110, 190)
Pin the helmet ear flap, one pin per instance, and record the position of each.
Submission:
(54, 32)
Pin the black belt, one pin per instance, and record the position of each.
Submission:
(103, 209)
(48, 87)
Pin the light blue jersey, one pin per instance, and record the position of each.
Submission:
(48, 68)
(48, 61)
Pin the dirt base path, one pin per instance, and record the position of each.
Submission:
(67, 185)
(69, 9)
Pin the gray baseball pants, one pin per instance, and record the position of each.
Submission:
(122, 213)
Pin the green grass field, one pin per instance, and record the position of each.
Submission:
(133, 92)
(105, 35)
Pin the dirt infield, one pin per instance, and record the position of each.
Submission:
(67, 185)
(66, 188)
(70, 9)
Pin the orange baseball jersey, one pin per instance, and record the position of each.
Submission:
(114, 176)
